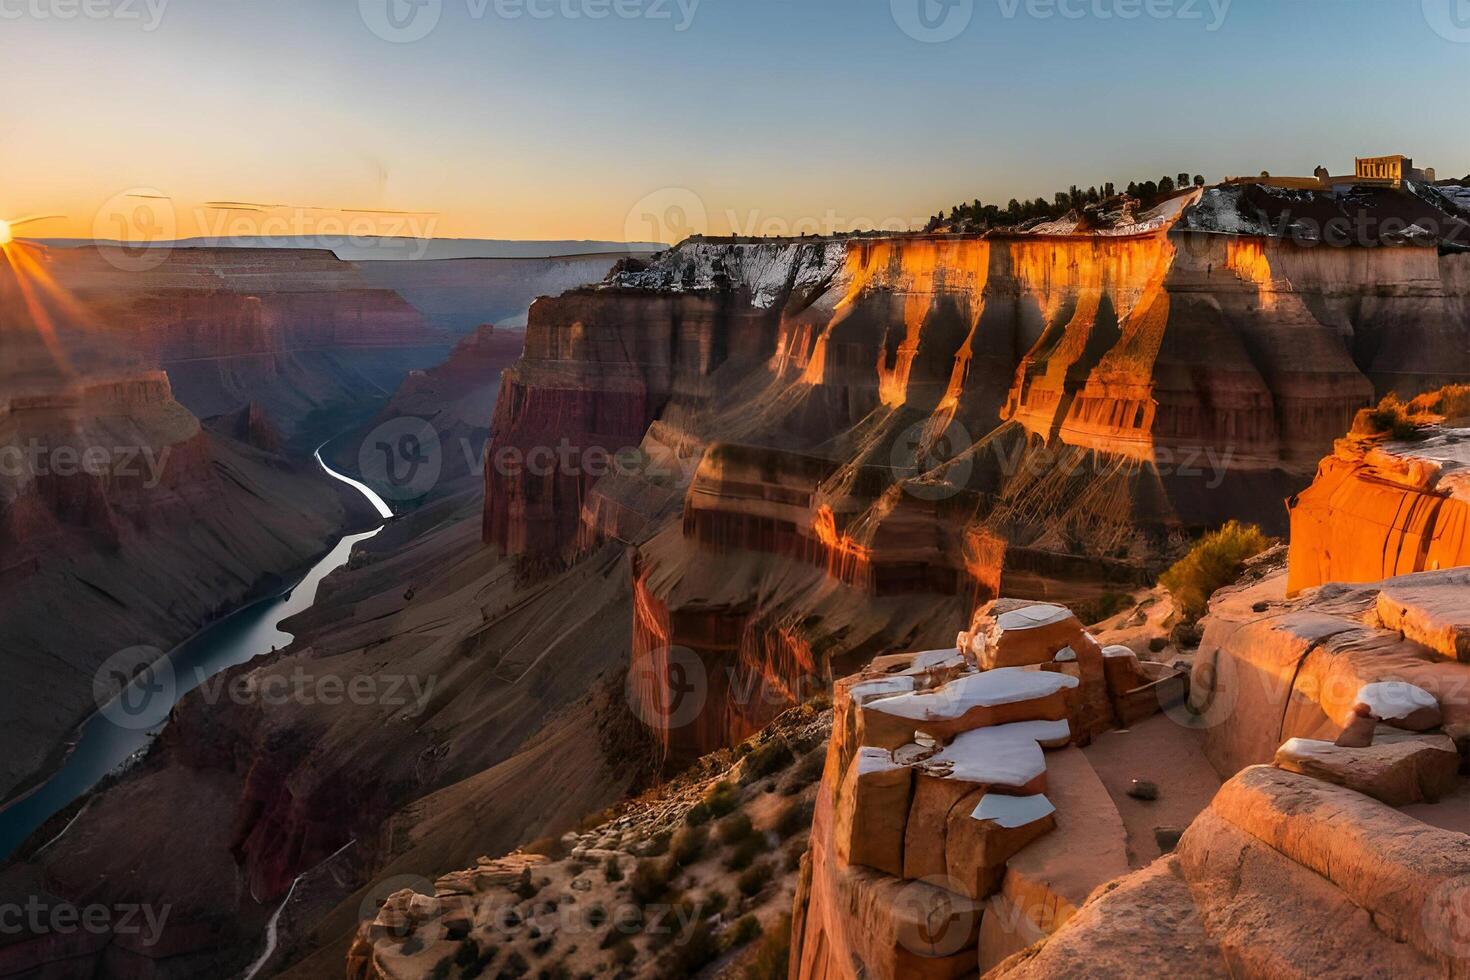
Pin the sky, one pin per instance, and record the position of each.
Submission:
(648, 119)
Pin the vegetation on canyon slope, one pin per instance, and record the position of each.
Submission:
(977, 216)
(1212, 564)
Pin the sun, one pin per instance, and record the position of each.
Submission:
(4, 232)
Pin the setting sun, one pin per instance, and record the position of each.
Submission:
(4, 233)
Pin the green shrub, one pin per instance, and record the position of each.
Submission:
(650, 880)
(714, 903)
(775, 951)
(735, 828)
(744, 852)
(698, 815)
(1214, 563)
(753, 879)
(721, 799)
(771, 757)
(794, 819)
(690, 954)
(689, 845)
(746, 930)
(1393, 417)
(806, 772)
(623, 952)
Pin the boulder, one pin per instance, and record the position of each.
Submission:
(1396, 771)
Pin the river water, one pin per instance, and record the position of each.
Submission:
(103, 745)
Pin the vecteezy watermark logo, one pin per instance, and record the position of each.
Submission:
(135, 688)
(920, 449)
(40, 917)
(668, 688)
(670, 215)
(934, 918)
(39, 459)
(1450, 19)
(405, 21)
(402, 459)
(1211, 13)
(933, 21)
(147, 12)
(401, 21)
(134, 230)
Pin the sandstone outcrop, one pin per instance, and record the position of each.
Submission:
(948, 773)
(1271, 669)
(1280, 875)
(1380, 508)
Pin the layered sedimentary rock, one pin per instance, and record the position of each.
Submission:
(114, 496)
(946, 770)
(790, 432)
(454, 401)
(295, 331)
(1334, 661)
(1379, 508)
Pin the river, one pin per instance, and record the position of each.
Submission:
(102, 746)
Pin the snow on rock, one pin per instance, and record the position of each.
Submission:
(1066, 655)
(934, 660)
(1006, 685)
(1005, 755)
(768, 271)
(1395, 700)
(1118, 651)
(1011, 812)
(1033, 617)
(871, 760)
(882, 687)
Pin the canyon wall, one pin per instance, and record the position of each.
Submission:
(296, 331)
(807, 441)
(1379, 509)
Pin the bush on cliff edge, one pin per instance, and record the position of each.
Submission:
(1212, 564)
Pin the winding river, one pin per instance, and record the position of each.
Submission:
(103, 746)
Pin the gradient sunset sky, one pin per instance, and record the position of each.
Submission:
(759, 113)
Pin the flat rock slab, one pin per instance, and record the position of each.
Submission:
(1397, 772)
(1434, 613)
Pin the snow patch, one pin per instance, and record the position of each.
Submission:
(1033, 617)
(1011, 812)
(767, 271)
(871, 760)
(1006, 685)
(882, 687)
(1395, 700)
(1066, 655)
(1005, 755)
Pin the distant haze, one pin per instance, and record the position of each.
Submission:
(373, 249)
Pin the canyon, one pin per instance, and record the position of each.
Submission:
(725, 477)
